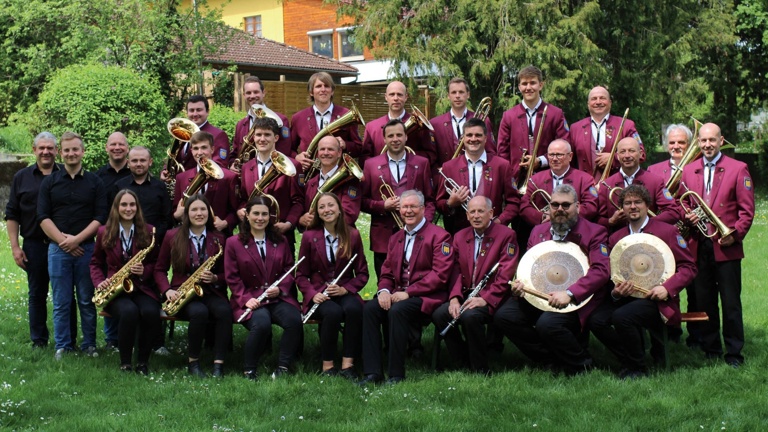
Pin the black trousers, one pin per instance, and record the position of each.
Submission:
(472, 348)
(260, 331)
(398, 320)
(135, 312)
(719, 281)
(349, 310)
(202, 310)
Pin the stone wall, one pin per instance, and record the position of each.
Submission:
(9, 165)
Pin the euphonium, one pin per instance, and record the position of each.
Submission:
(609, 164)
(386, 192)
(544, 194)
(416, 121)
(121, 280)
(249, 145)
(181, 130)
(705, 214)
(208, 170)
(191, 287)
(352, 117)
(534, 152)
(451, 186)
(280, 165)
(348, 168)
(483, 109)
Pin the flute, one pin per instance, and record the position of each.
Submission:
(471, 295)
(312, 310)
(275, 284)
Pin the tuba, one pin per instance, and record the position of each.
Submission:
(386, 192)
(416, 121)
(705, 214)
(208, 170)
(348, 168)
(280, 165)
(609, 164)
(483, 109)
(191, 287)
(529, 171)
(350, 118)
(121, 280)
(249, 146)
(181, 130)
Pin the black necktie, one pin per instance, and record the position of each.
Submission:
(200, 241)
(458, 122)
(331, 241)
(597, 138)
(263, 168)
(322, 118)
(473, 167)
(408, 239)
(531, 115)
(397, 164)
(127, 243)
(711, 166)
(478, 245)
(262, 247)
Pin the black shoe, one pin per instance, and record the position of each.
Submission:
(110, 346)
(330, 372)
(251, 375)
(126, 368)
(734, 363)
(39, 344)
(394, 380)
(349, 373)
(371, 379)
(142, 369)
(280, 371)
(194, 369)
(218, 370)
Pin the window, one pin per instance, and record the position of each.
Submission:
(253, 25)
(349, 51)
(321, 42)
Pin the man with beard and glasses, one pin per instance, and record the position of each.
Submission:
(552, 338)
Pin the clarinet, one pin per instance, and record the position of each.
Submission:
(471, 295)
(312, 310)
(276, 283)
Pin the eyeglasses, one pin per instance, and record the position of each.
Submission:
(557, 155)
(564, 205)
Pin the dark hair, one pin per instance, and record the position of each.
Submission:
(266, 123)
(476, 122)
(341, 227)
(391, 123)
(198, 98)
(458, 80)
(201, 136)
(253, 79)
(180, 242)
(530, 71)
(112, 227)
(271, 232)
(635, 190)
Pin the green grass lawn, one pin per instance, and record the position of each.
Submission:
(81, 394)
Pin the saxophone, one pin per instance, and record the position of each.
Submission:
(191, 288)
(121, 281)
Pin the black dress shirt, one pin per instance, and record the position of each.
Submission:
(72, 203)
(22, 204)
(109, 176)
(154, 201)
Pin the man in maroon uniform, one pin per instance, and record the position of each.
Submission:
(676, 140)
(197, 111)
(401, 171)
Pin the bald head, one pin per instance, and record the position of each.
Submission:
(599, 102)
(559, 146)
(396, 97)
(117, 149)
(628, 152)
(710, 140)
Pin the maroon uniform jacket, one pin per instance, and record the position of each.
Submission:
(429, 267)
(662, 169)
(732, 199)
(106, 262)
(212, 241)
(248, 276)
(445, 136)
(348, 193)
(685, 267)
(316, 271)
(496, 183)
(286, 190)
(513, 134)
(417, 176)
(242, 128)
(420, 140)
(584, 147)
(499, 245)
(304, 128)
(662, 202)
(222, 194)
(580, 181)
(593, 241)
(220, 148)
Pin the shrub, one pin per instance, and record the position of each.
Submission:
(15, 139)
(225, 118)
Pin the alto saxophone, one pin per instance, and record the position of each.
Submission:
(121, 281)
(191, 287)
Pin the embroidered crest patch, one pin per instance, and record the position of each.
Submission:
(352, 192)
(604, 250)
(446, 249)
(593, 191)
(747, 183)
(637, 137)
(681, 242)
(510, 249)
(222, 153)
(285, 132)
(667, 195)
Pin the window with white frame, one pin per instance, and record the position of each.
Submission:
(349, 51)
(321, 42)
(252, 25)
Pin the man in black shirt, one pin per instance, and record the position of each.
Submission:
(32, 257)
(71, 206)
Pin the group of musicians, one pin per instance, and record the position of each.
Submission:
(93, 235)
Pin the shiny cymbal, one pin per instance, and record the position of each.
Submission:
(643, 259)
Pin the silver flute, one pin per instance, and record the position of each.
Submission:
(314, 307)
(471, 295)
(275, 284)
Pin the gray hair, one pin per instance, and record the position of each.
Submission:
(560, 140)
(413, 192)
(567, 190)
(672, 128)
(45, 136)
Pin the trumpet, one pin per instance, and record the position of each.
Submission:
(280, 165)
(544, 194)
(609, 164)
(534, 152)
(312, 310)
(416, 121)
(483, 109)
(350, 118)
(451, 186)
(386, 192)
(614, 190)
(705, 214)
(348, 168)
(276, 283)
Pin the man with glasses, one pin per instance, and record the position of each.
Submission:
(560, 172)
(551, 338)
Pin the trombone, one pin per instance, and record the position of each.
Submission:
(483, 109)
(529, 171)
(386, 192)
(451, 186)
(609, 164)
(705, 214)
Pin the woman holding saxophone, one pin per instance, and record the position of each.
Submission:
(117, 275)
(259, 267)
(194, 245)
(330, 279)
